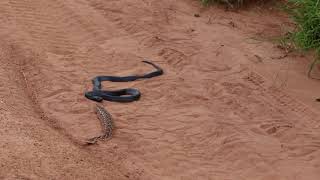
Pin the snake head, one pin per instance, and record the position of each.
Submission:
(90, 95)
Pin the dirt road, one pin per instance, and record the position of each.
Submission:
(224, 110)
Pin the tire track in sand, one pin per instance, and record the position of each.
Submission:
(211, 123)
(29, 148)
(59, 31)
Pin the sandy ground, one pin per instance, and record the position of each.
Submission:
(230, 106)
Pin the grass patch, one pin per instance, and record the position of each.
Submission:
(306, 14)
(231, 3)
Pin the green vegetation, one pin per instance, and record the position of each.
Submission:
(306, 14)
(230, 3)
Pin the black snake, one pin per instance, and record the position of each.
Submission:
(121, 95)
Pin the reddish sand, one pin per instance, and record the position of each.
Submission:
(231, 105)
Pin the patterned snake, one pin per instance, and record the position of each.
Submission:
(106, 122)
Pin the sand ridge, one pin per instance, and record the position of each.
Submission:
(212, 115)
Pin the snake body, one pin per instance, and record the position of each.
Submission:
(106, 123)
(121, 95)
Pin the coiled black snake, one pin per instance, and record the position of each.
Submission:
(121, 95)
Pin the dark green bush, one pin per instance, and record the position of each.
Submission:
(306, 14)
(228, 2)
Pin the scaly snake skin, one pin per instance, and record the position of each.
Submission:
(106, 122)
